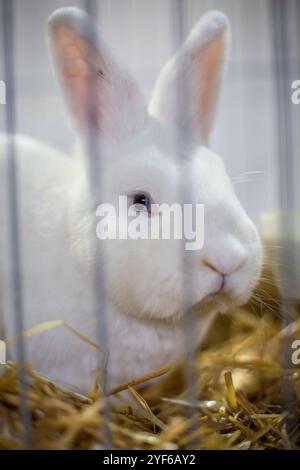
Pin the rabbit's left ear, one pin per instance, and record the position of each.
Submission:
(100, 95)
(187, 90)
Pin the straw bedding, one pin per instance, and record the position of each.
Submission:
(246, 397)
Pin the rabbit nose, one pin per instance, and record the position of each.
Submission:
(226, 258)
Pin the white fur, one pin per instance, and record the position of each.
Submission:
(144, 277)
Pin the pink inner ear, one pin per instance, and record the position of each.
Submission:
(81, 68)
(99, 94)
(209, 69)
(76, 57)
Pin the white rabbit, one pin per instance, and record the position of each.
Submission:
(138, 146)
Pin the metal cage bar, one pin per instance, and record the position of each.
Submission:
(280, 14)
(13, 211)
(93, 150)
(189, 320)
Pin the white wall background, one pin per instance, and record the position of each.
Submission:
(140, 32)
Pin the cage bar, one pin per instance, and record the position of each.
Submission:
(185, 195)
(281, 13)
(94, 162)
(13, 211)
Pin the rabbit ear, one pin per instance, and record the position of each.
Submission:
(99, 93)
(187, 89)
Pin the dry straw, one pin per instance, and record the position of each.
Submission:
(239, 396)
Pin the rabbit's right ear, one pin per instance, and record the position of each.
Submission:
(99, 93)
(187, 90)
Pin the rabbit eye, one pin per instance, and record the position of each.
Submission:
(142, 201)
